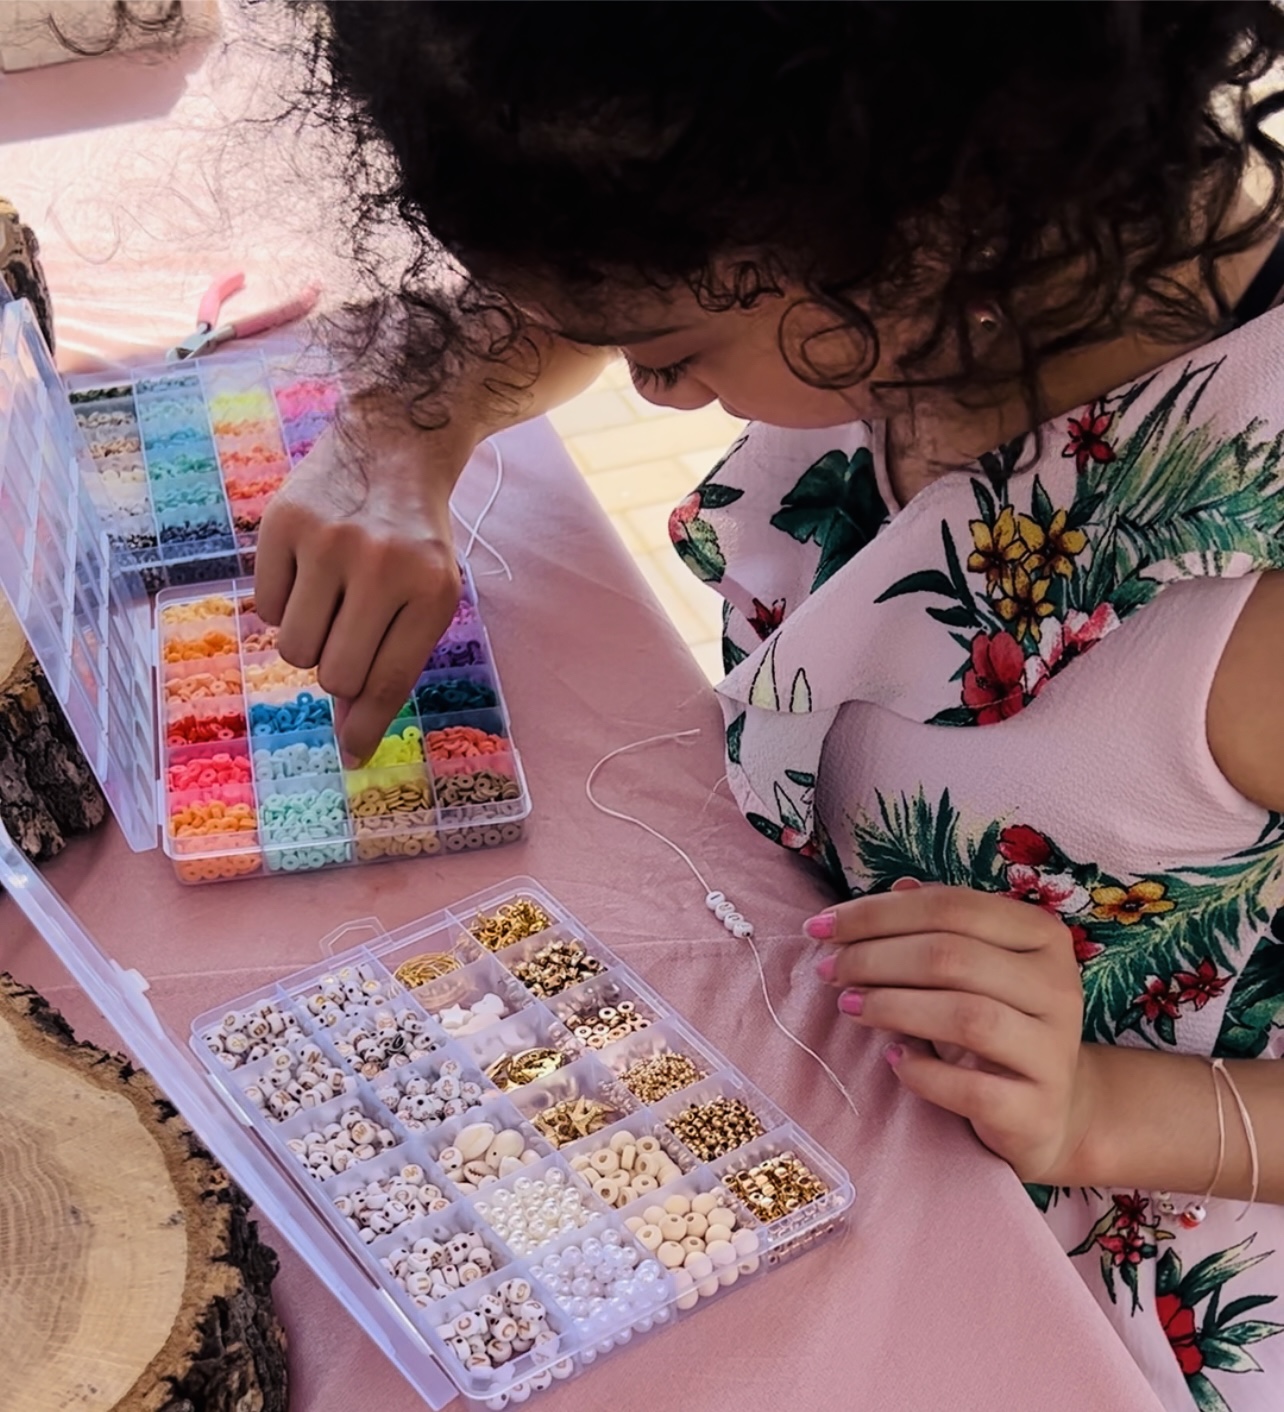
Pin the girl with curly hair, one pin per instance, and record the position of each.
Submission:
(1002, 548)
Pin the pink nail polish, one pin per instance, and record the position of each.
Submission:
(905, 884)
(851, 1002)
(894, 1053)
(826, 967)
(822, 927)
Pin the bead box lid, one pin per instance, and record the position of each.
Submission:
(85, 613)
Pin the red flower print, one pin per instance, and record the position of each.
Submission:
(1063, 641)
(1199, 986)
(766, 620)
(1088, 440)
(1054, 892)
(992, 684)
(683, 515)
(1178, 1322)
(1084, 947)
(1022, 844)
(1131, 1209)
(1157, 999)
(1124, 1245)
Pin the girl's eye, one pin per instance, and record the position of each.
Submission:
(667, 377)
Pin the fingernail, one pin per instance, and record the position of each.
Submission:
(822, 927)
(905, 884)
(894, 1053)
(350, 761)
(851, 1002)
(826, 967)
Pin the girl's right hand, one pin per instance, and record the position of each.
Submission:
(356, 564)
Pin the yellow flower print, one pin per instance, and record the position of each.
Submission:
(1021, 600)
(1062, 545)
(1142, 899)
(998, 547)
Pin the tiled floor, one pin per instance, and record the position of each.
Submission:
(639, 461)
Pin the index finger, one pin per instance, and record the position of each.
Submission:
(992, 917)
(275, 568)
(397, 663)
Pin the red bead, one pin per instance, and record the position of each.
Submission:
(1192, 1216)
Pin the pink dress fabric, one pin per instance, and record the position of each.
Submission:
(1003, 686)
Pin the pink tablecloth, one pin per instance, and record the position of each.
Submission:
(948, 1291)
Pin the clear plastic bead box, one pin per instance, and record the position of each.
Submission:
(300, 809)
(594, 1073)
(102, 634)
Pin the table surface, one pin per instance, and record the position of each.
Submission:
(946, 1291)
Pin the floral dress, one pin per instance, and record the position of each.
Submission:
(1003, 686)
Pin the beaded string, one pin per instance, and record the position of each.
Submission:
(716, 901)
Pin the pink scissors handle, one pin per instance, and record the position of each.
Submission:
(282, 314)
(213, 299)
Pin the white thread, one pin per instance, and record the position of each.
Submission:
(475, 535)
(684, 737)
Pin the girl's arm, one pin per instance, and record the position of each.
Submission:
(993, 981)
(356, 559)
(1153, 1126)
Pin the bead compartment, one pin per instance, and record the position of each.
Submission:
(589, 1073)
(223, 684)
(210, 446)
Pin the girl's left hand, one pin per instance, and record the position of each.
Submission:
(992, 978)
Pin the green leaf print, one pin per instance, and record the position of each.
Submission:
(911, 838)
(1205, 1395)
(1176, 487)
(732, 655)
(765, 826)
(735, 732)
(1252, 1330)
(717, 497)
(1211, 908)
(836, 503)
(1256, 1005)
(924, 581)
(699, 549)
(1217, 1343)
(694, 538)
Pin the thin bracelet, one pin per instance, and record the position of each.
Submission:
(1194, 1212)
(1219, 1067)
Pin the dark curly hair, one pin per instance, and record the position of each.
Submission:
(885, 157)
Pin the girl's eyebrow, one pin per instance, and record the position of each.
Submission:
(618, 339)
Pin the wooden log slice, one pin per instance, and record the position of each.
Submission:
(130, 1278)
(47, 790)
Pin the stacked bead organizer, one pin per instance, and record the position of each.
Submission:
(183, 462)
(252, 775)
(530, 1199)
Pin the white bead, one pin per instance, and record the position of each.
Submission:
(714, 899)
(724, 909)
